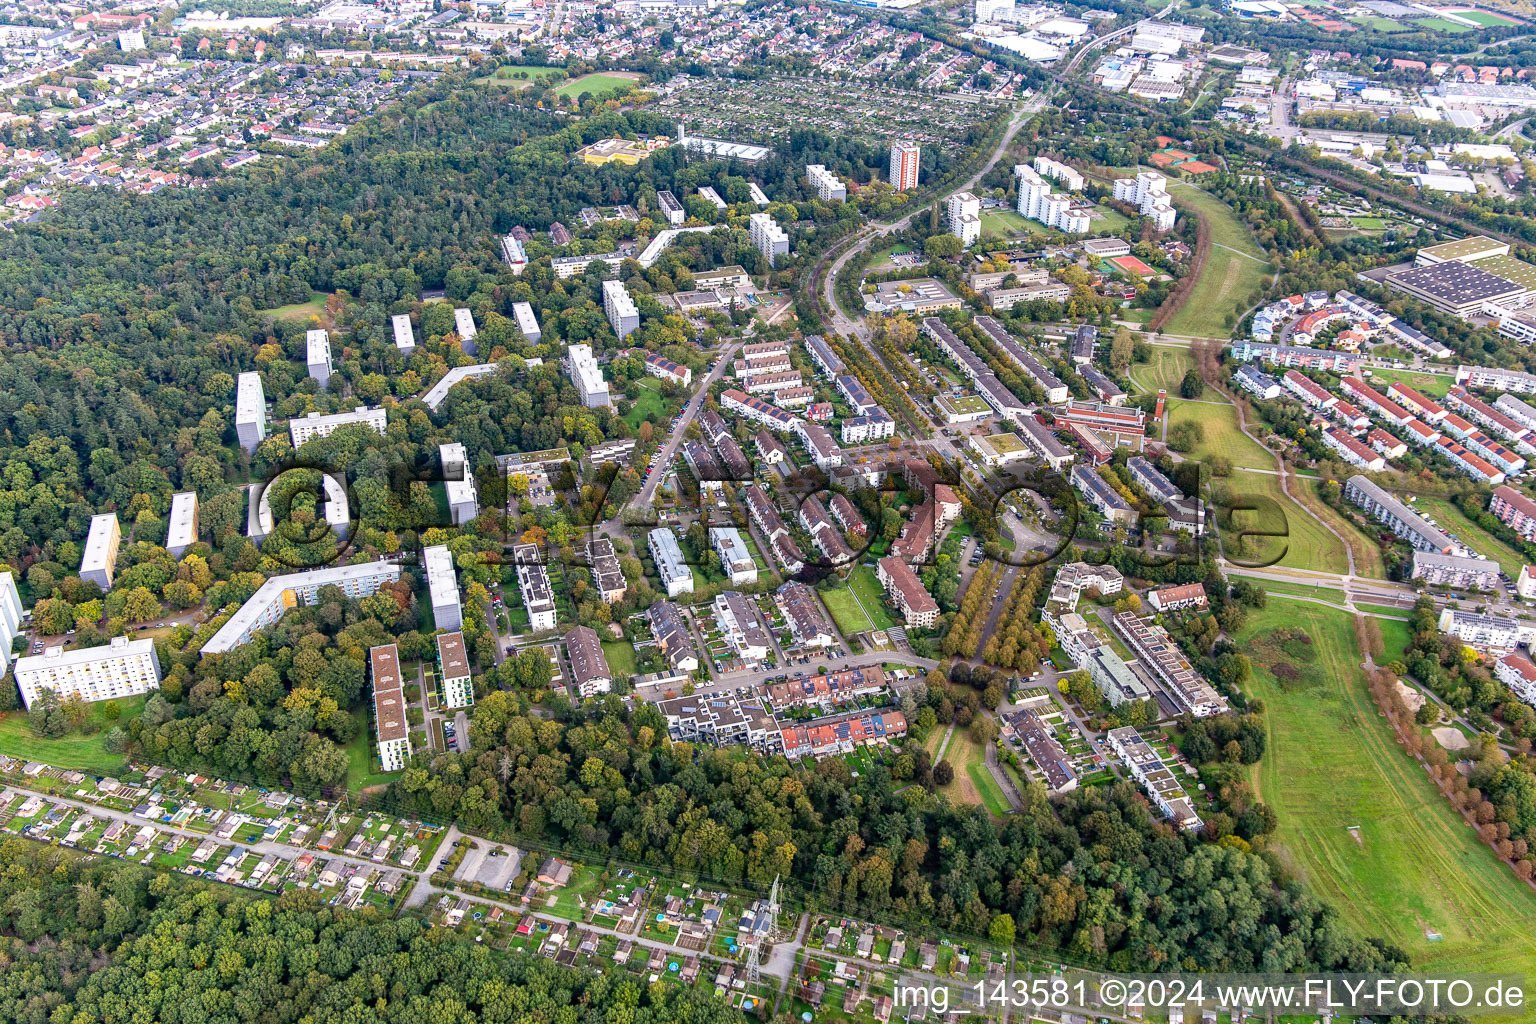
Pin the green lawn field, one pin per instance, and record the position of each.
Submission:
(1227, 277)
(1380, 24)
(871, 595)
(598, 83)
(1368, 223)
(1368, 560)
(1007, 223)
(1218, 421)
(508, 77)
(1442, 25)
(77, 751)
(1305, 542)
(1450, 517)
(1431, 385)
(1487, 19)
(1362, 824)
(1165, 370)
(360, 773)
(621, 657)
(1108, 221)
(650, 403)
(1282, 589)
(299, 310)
(845, 611)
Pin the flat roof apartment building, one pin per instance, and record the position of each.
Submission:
(767, 237)
(743, 628)
(389, 723)
(324, 424)
(181, 532)
(250, 411)
(607, 576)
(438, 392)
(123, 668)
(281, 593)
(405, 337)
(457, 688)
(522, 315)
(98, 564)
(676, 575)
(318, 346)
(735, 557)
(917, 606)
(827, 185)
(1147, 768)
(459, 482)
(620, 309)
(443, 587)
(533, 583)
(464, 324)
(587, 377)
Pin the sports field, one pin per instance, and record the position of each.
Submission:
(1368, 223)
(1235, 267)
(1379, 24)
(1132, 265)
(1165, 369)
(1360, 822)
(1442, 25)
(1487, 19)
(598, 83)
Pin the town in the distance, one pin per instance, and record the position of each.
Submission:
(634, 511)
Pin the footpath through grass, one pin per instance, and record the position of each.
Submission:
(1359, 820)
(1228, 276)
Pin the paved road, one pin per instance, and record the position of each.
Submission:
(668, 451)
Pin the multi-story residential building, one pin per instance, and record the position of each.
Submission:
(1038, 203)
(1256, 382)
(590, 674)
(1336, 360)
(1104, 498)
(1460, 571)
(665, 369)
(671, 209)
(767, 237)
(670, 631)
(964, 217)
(513, 253)
(1515, 509)
(667, 554)
(1148, 192)
(123, 668)
(250, 411)
(459, 482)
(722, 720)
(1183, 513)
(1059, 172)
(1518, 673)
(842, 734)
(1352, 451)
(534, 586)
(438, 393)
(527, 323)
(1188, 595)
(823, 357)
(819, 445)
(1494, 633)
(10, 616)
(405, 336)
(620, 309)
(1157, 650)
(808, 623)
(875, 425)
(281, 593)
(456, 686)
(827, 185)
(182, 527)
(318, 424)
(735, 557)
(586, 375)
(464, 325)
(905, 165)
(443, 587)
(607, 575)
(98, 563)
(1399, 518)
(1147, 768)
(918, 608)
(318, 344)
(1040, 744)
(830, 542)
(1375, 401)
(1492, 378)
(742, 627)
(391, 729)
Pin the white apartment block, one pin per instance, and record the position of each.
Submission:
(514, 254)
(1059, 172)
(671, 209)
(10, 616)
(1486, 632)
(281, 593)
(735, 557)
(182, 531)
(587, 376)
(335, 508)
(438, 392)
(522, 314)
(458, 688)
(459, 481)
(324, 424)
(675, 573)
(123, 668)
(250, 411)
(756, 192)
(443, 587)
(533, 583)
(391, 729)
(464, 324)
(1148, 192)
(1039, 203)
(318, 344)
(828, 186)
(767, 237)
(405, 337)
(964, 217)
(905, 160)
(99, 562)
(620, 309)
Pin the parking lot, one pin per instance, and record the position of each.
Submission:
(492, 866)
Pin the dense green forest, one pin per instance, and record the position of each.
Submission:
(88, 939)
